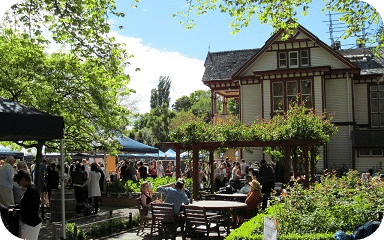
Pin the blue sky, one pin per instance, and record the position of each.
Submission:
(163, 47)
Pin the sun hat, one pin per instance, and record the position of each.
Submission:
(255, 184)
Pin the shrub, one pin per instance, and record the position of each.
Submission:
(321, 210)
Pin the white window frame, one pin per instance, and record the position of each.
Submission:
(283, 59)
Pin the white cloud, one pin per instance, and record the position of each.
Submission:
(185, 73)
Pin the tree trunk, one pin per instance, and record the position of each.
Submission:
(39, 158)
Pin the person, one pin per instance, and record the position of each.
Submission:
(133, 171)
(102, 177)
(18, 191)
(123, 174)
(93, 186)
(152, 169)
(146, 196)
(168, 171)
(160, 169)
(254, 196)
(42, 171)
(175, 194)
(52, 179)
(267, 180)
(6, 182)
(244, 168)
(77, 175)
(142, 171)
(30, 221)
(246, 187)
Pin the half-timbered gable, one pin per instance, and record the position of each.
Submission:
(343, 83)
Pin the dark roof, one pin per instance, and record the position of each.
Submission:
(19, 122)
(365, 60)
(368, 138)
(222, 65)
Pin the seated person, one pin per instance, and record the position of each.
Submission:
(146, 196)
(175, 194)
(254, 196)
(235, 183)
(246, 187)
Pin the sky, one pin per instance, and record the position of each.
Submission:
(163, 47)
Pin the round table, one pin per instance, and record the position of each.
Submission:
(241, 196)
(220, 205)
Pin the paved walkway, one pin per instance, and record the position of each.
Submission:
(51, 230)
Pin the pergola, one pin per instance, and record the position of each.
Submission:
(308, 145)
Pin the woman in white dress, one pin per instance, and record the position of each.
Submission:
(93, 186)
(160, 169)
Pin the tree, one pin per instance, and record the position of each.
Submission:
(357, 15)
(86, 91)
(152, 128)
(160, 95)
(199, 102)
(81, 25)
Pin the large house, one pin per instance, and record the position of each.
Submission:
(347, 83)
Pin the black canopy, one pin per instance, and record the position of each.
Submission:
(19, 122)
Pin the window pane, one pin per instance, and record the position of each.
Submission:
(374, 106)
(373, 88)
(381, 95)
(278, 103)
(381, 106)
(306, 87)
(381, 88)
(292, 88)
(304, 53)
(291, 99)
(364, 152)
(277, 89)
(304, 62)
(374, 120)
(381, 120)
(374, 95)
(307, 101)
(293, 55)
(377, 152)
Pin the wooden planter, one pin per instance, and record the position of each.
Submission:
(119, 201)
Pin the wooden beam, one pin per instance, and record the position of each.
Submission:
(211, 165)
(195, 172)
(306, 166)
(313, 169)
(287, 165)
(295, 163)
(178, 175)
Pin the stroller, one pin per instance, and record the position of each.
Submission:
(82, 205)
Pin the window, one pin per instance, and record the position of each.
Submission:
(284, 92)
(376, 101)
(293, 59)
(304, 58)
(370, 152)
(283, 59)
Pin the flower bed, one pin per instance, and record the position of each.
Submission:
(320, 211)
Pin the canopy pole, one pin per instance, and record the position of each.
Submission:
(195, 172)
(62, 187)
(178, 175)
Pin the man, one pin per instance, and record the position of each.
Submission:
(267, 180)
(6, 182)
(77, 176)
(175, 194)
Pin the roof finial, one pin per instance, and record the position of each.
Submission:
(209, 47)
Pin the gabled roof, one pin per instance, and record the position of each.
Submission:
(227, 65)
(222, 65)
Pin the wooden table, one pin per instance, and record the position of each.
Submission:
(234, 196)
(222, 206)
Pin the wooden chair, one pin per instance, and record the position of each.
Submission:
(145, 217)
(198, 221)
(164, 220)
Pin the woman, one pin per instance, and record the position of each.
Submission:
(30, 221)
(254, 197)
(146, 196)
(160, 169)
(152, 169)
(93, 186)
